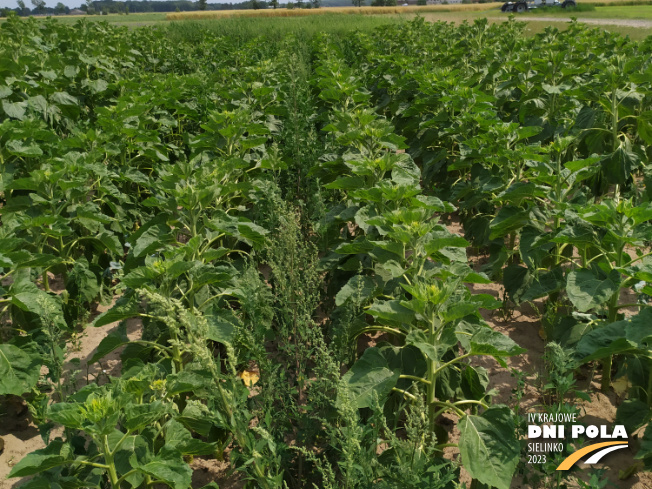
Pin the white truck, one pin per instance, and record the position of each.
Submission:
(524, 5)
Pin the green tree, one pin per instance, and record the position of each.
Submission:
(274, 3)
(23, 9)
(378, 3)
(358, 3)
(60, 8)
(126, 9)
(421, 2)
(39, 5)
(202, 4)
(316, 3)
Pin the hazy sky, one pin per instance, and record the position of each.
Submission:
(49, 3)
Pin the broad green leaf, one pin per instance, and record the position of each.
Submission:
(389, 270)
(346, 183)
(472, 277)
(441, 240)
(196, 418)
(138, 416)
(138, 277)
(369, 374)
(177, 436)
(67, 414)
(486, 301)
(250, 232)
(111, 242)
(393, 141)
(63, 98)
(489, 447)
(358, 289)
(19, 370)
(644, 121)
(543, 285)
(354, 247)
(96, 86)
(19, 148)
(436, 351)
(619, 346)
(152, 239)
(190, 380)
(633, 413)
(474, 382)
(520, 191)
(5, 261)
(252, 142)
(110, 342)
(15, 110)
(151, 236)
(125, 307)
(82, 283)
(169, 467)
(460, 309)
(489, 342)
(220, 328)
(404, 359)
(619, 165)
(587, 291)
(130, 446)
(507, 220)
(645, 452)
(391, 311)
(631, 336)
(40, 460)
(46, 482)
(70, 71)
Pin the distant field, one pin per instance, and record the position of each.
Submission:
(535, 26)
(213, 14)
(343, 18)
(638, 12)
(145, 18)
(618, 2)
(243, 29)
(636, 34)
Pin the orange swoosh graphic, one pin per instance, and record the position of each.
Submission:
(574, 457)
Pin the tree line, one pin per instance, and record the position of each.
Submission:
(125, 7)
